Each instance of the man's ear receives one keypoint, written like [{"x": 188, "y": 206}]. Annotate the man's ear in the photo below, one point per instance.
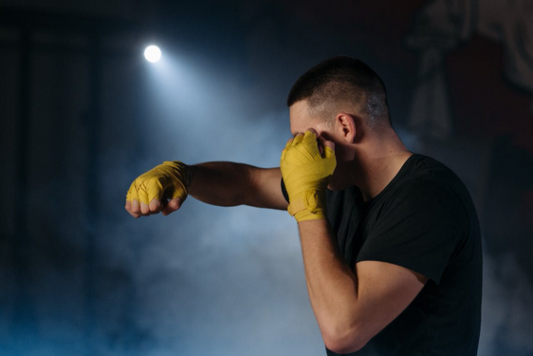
[{"x": 347, "y": 127}]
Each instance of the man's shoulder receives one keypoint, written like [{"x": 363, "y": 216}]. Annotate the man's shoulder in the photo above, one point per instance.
[
  {"x": 429, "y": 168},
  {"x": 430, "y": 182},
  {"x": 426, "y": 175}
]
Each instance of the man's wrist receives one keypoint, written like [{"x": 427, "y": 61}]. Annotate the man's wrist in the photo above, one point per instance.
[
  {"x": 308, "y": 205},
  {"x": 305, "y": 215},
  {"x": 313, "y": 222}
]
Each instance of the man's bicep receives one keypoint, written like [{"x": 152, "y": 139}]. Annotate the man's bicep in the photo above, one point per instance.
[
  {"x": 384, "y": 291},
  {"x": 267, "y": 191}
]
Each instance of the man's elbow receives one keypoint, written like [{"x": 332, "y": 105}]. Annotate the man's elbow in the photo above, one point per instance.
[{"x": 344, "y": 341}]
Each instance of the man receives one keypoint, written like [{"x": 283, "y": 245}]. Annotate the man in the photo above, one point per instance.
[{"x": 390, "y": 239}]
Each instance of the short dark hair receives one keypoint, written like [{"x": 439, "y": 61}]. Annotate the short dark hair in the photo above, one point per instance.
[{"x": 343, "y": 78}]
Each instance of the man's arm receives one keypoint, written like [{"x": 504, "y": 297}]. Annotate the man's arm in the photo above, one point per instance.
[
  {"x": 352, "y": 308},
  {"x": 231, "y": 184},
  {"x": 216, "y": 183}
]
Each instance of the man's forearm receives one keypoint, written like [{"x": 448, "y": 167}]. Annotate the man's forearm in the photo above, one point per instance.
[
  {"x": 221, "y": 183},
  {"x": 332, "y": 286}
]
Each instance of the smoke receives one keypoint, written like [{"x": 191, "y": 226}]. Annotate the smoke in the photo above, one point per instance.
[
  {"x": 205, "y": 280},
  {"x": 236, "y": 279}
]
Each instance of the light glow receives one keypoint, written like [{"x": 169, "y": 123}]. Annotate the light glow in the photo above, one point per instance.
[{"x": 152, "y": 54}]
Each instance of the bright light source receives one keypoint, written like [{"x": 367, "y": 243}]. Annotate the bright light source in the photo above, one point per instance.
[{"x": 152, "y": 54}]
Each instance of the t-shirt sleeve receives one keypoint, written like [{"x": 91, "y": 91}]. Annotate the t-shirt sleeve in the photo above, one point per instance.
[
  {"x": 284, "y": 191},
  {"x": 419, "y": 228}
]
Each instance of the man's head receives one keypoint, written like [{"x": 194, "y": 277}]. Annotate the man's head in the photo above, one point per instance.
[
  {"x": 344, "y": 101},
  {"x": 342, "y": 84}
]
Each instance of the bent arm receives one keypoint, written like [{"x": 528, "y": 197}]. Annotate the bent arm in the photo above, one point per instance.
[
  {"x": 231, "y": 184},
  {"x": 351, "y": 308}
]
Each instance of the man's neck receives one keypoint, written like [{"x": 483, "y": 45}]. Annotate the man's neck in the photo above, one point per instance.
[{"x": 377, "y": 165}]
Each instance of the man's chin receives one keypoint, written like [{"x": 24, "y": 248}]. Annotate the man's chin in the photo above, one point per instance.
[{"x": 334, "y": 187}]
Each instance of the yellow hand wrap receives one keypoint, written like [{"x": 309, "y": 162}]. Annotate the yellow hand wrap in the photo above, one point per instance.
[
  {"x": 306, "y": 174},
  {"x": 166, "y": 181}
]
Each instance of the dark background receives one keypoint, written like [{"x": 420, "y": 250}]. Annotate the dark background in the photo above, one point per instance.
[{"x": 83, "y": 114}]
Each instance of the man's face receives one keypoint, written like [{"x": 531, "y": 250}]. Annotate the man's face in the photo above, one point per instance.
[{"x": 301, "y": 121}]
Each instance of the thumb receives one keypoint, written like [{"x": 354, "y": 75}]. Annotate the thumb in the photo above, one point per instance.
[
  {"x": 329, "y": 144},
  {"x": 172, "y": 206}
]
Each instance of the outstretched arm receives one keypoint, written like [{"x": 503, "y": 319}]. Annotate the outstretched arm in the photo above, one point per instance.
[
  {"x": 231, "y": 184},
  {"x": 165, "y": 188}
]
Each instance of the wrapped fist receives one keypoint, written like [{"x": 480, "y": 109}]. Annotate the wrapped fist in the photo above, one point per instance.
[
  {"x": 306, "y": 173},
  {"x": 150, "y": 192}
]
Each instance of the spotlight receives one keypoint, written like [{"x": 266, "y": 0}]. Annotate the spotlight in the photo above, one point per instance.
[{"x": 152, "y": 54}]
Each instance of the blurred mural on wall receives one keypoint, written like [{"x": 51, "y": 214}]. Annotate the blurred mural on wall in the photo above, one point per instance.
[
  {"x": 442, "y": 27},
  {"x": 494, "y": 146},
  {"x": 83, "y": 114}
]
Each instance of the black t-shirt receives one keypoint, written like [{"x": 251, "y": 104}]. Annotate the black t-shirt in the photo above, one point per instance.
[{"x": 423, "y": 220}]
